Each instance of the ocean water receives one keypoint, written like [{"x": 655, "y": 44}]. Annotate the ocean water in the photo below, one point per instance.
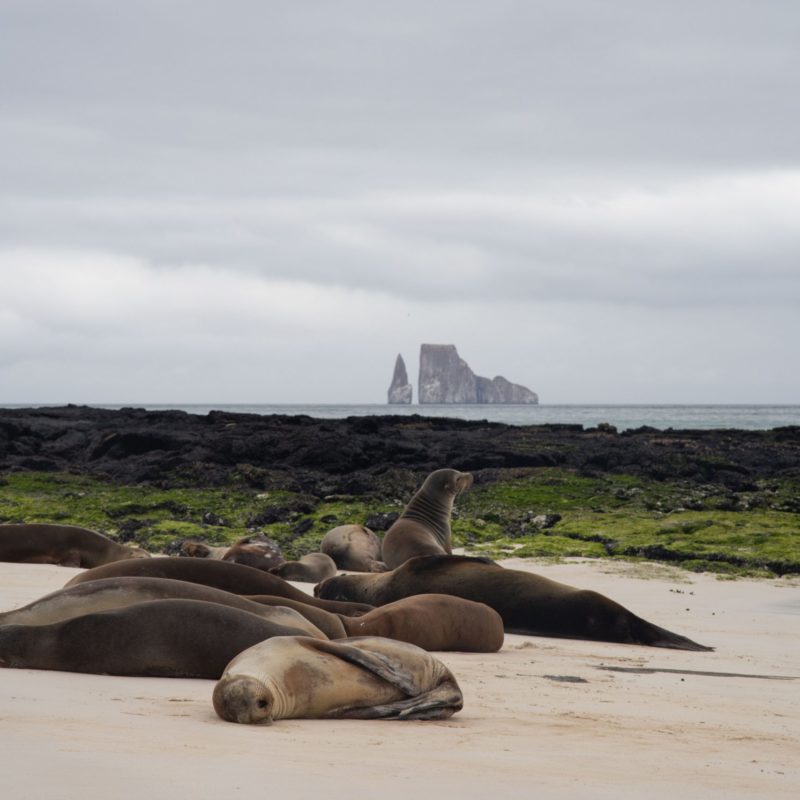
[{"x": 752, "y": 417}]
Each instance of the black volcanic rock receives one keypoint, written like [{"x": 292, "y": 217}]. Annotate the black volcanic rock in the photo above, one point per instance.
[
  {"x": 382, "y": 522},
  {"x": 444, "y": 377},
  {"x": 384, "y": 456}
]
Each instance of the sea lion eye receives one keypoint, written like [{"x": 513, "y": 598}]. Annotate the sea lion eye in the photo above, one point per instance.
[{"x": 262, "y": 703}]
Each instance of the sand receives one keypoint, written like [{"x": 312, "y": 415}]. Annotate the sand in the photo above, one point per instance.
[{"x": 542, "y": 718}]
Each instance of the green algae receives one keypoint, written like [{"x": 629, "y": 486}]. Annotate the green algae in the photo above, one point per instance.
[
  {"x": 694, "y": 526},
  {"x": 154, "y": 518}
]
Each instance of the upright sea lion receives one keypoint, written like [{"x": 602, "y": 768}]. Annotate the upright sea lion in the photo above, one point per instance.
[
  {"x": 110, "y": 593},
  {"x": 423, "y": 529},
  {"x": 219, "y": 574},
  {"x": 433, "y": 622},
  {"x": 361, "y": 678},
  {"x": 160, "y": 638},
  {"x": 354, "y": 547},
  {"x": 67, "y": 545},
  {"x": 311, "y": 568},
  {"x": 527, "y": 603}
]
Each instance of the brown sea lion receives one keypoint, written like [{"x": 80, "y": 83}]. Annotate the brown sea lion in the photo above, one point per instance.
[
  {"x": 160, "y": 638},
  {"x": 527, "y": 603},
  {"x": 430, "y": 621},
  {"x": 219, "y": 574},
  {"x": 433, "y": 622},
  {"x": 191, "y": 548},
  {"x": 330, "y": 624},
  {"x": 362, "y": 678},
  {"x": 311, "y": 568},
  {"x": 423, "y": 529},
  {"x": 354, "y": 547},
  {"x": 66, "y": 545},
  {"x": 256, "y": 550},
  {"x": 110, "y": 593}
]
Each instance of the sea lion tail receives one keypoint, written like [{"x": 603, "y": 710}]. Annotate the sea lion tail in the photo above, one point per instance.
[{"x": 646, "y": 633}]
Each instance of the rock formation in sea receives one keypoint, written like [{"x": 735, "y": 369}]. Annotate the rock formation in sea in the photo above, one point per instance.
[
  {"x": 444, "y": 377},
  {"x": 400, "y": 391}
]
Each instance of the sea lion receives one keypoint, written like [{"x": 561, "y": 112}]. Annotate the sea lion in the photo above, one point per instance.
[
  {"x": 256, "y": 551},
  {"x": 191, "y": 548},
  {"x": 527, "y": 603},
  {"x": 433, "y": 622},
  {"x": 219, "y": 574},
  {"x": 159, "y": 638},
  {"x": 66, "y": 545},
  {"x": 362, "y": 678},
  {"x": 353, "y": 547},
  {"x": 430, "y": 621},
  {"x": 110, "y": 593},
  {"x": 330, "y": 624},
  {"x": 311, "y": 568},
  {"x": 423, "y": 529}
]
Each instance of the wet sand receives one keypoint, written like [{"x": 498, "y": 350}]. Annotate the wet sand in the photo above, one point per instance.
[{"x": 542, "y": 718}]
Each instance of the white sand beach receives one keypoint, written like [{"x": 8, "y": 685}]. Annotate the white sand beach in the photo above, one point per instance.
[{"x": 542, "y": 718}]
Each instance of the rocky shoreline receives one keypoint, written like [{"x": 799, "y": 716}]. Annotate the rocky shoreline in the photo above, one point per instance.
[
  {"x": 727, "y": 500},
  {"x": 357, "y": 455}
]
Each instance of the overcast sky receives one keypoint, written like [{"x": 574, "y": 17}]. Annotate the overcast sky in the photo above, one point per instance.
[{"x": 262, "y": 201}]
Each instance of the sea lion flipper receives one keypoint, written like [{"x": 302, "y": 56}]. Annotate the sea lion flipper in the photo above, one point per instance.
[
  {"x": 649, "y": 634},
  {"x": 441, "y": 701},
  {"x": 389, "y": 669}
]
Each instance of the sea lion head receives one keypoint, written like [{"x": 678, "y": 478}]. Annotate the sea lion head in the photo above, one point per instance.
[
  {"x": 448, "y": 482},
  {"x": 137, "y": 552},
  {"x": 244, "y": 699},
  {"x": 340, "y": 587}
]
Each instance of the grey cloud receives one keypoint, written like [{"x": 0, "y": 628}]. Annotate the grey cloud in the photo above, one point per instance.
[
  {"x": 622, "y": 164},
  {"x": 589, "y": 80},
  {"x": 667, "y": 249}
]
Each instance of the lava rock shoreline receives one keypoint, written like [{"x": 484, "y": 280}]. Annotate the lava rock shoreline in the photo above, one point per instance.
[{"x": 381, "y": 455}]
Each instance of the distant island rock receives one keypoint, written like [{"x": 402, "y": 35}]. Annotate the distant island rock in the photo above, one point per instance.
[
  {"x": 444, "y": 377},
  {"x": 400, "y": 391}
]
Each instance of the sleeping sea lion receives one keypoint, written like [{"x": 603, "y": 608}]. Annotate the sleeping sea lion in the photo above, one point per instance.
[
  {"x": 191, "y": 548},
  {"x": 423, "y": 529},
  {"x": 66, "y": 545},
  {"x": 159, "y": 638},
  {"x": 430, "y": 621},
  {"x": 219, "y": 574},
  {"x": 527, "y": 603},
  {"x": 353, "y": 547},
  {"x": 361, "y": 678},
  {"x": 256, "y": 550},
  {"x": 330, "y": 624},
  {"x": 433, "y": 622},
  {"x": 311, "y": 568},
  {"x": 110, "y": 593}
]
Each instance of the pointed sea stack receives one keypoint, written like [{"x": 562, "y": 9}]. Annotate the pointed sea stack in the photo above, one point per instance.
[
  {"x": 400, "y": 391},
  {"x": 444, "y": 377}
]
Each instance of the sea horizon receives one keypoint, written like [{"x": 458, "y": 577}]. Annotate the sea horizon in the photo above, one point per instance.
[{"x": 623, "y": 416}]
